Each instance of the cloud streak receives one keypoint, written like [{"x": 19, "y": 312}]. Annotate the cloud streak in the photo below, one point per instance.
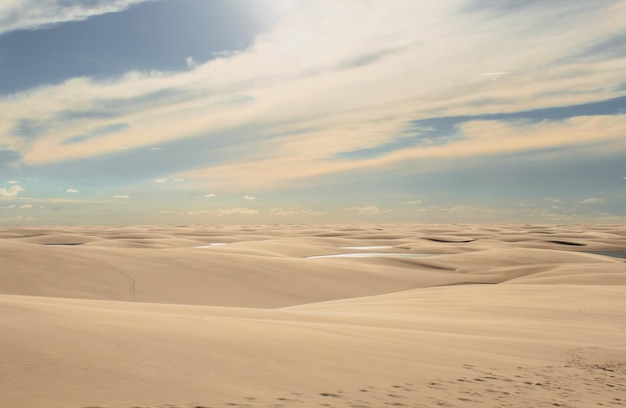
[
  {"x": 36, "y": 14},
  {"x": 319, "y": 91},
  {"x": 356, "y": 105}
]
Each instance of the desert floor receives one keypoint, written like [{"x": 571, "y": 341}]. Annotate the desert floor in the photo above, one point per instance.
[{"x": 160, "y": 316}]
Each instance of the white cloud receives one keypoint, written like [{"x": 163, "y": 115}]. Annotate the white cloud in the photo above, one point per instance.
[
  {"x": 13, "y": 182},
  {"x": 588, "y": 134},
  {"x": 17, "y": 218},
  {"x": 355, "y": 88},
  {"x": 552, "y": 200},
  {"x": 371, "y": 209},
  {"x": 12, "y": 191},
  {"x": 8, "y": 207},
  {"x": 191, "y": 63},
  {"x": 121, "y": 196},
  {"x": 295, "y": 210},
  {"x": 33, "y": 14},
  {"x": 210, "y": 195},
  {"x": 164, "y": 180},
  {"x": 53, "y": 200},
  {"x": 249, "y": 197},
  {"x": 71, "y": 190},
  {"x": 156, "y": 148},
  {"x": 225, "y": 212},
  {"x": 235, "y": 211},
  {"x": 26, "y": 206},
  {"x": 495, "y": 75},
  {"x": 593, "y": 200}
]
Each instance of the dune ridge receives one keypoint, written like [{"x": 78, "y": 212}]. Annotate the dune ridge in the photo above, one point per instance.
[{"x": 121, "y": 317}]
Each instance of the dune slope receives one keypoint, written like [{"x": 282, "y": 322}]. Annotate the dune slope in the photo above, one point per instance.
[{"x": 138, "y": 317}]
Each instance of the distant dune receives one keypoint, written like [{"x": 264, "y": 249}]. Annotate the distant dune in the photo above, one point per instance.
[{"x": 496, "y": 316}]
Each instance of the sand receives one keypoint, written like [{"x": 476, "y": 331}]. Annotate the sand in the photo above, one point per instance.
[{"x": 125, "y": 317}]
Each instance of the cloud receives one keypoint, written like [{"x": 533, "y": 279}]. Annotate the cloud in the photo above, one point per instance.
[
  {"x": 319, "y": 90},
  {"x": 71, "y": 190},
  {"x": 587, "y": 134},
  {"x": 371, "y": 209},
  {"x": 164, "y": 180},
  {"x": 191, "y": 63},
  {"x": 17, "y": 218},
  {"x": 552, "y": 200},
  {"x": 13, "y": 182},
  {"x": 295, "y": 210},
  {"x": 12, "y": 191},
  {"x": 489, "y": 215},
  {"x": 249, "y": 197},
  {"x": 9, "y": 207},
  {"x": 593, "y": 200},
  {"x": 53, "y": 200},
  {"x": 496, "y": 75},
  {"x": 414, "y": 202},
  {"x": 225, "y": 212},
  {"x": 121, "y": 196},
  {"x": 26, "y": 206},
  {"x": 234, "y": 211},
  {"x": 34, "y": 14},
  {"x": 210, "y": 195}
]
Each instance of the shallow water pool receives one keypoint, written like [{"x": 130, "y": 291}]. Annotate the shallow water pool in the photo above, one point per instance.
[
  {"x": 373, "y": 255},
  {"x": 614, "y": 254}
]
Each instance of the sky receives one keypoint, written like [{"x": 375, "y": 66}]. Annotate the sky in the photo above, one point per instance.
[{"x": 312, "y": 111}]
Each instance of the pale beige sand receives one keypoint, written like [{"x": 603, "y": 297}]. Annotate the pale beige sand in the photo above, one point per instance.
[{"x": 121, "y": 317}]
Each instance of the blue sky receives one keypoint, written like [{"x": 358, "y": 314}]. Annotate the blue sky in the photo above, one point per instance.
[{"x": 276, "y": 111}]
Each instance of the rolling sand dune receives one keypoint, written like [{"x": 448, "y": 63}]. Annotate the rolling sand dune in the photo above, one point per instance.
[{"x": 497, "y": 316}]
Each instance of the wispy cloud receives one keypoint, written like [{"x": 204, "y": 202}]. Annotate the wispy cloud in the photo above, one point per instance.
[
  {"x": 249, "y": 197},
  {"x": 294, "y": 211},
  {"x": 355, "y": 105},
  {"x": 593, "y": 200},
  {"x": 319, "y": 90},
  {"x": 26, "y": 206},
  {"x": 52, "y": 200},
  {"x": 71, "y": 190},
  {"x": 371, "y": 209},
  {"x": 34, "y": 14},
  {"x": 191, "y": 63},
  {"x": 164, "y": 180},
  {"x": 225, "y": 212},
  {"x": 591, "y": 134},
  {"x": 210, "y": 195},
  {"x": 12, "y": 191},
  {"x": 122, "y": 196},
  {"x": 17, "y": 218}
]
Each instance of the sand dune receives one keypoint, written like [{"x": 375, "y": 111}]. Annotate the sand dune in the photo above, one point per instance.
[{"x": 121, "y": 317}]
